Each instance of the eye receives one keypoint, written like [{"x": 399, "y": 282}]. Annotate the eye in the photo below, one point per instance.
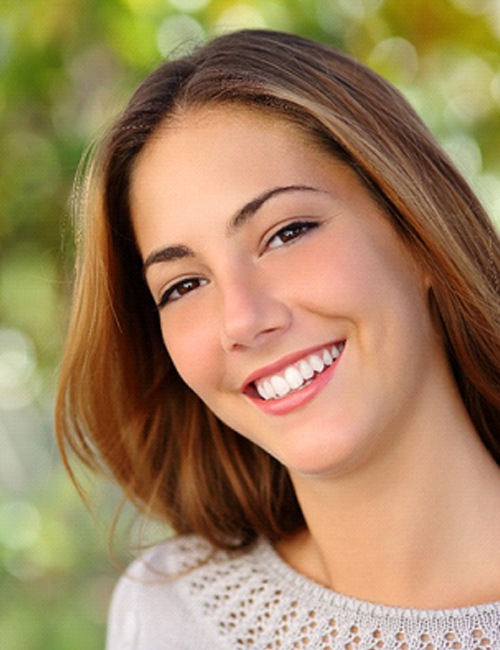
[
  {"x": 290, "y": 232},
  {"x": 180, "y": 289}
]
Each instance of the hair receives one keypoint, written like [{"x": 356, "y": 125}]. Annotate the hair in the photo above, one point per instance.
[{"x": 121, "y": 406}]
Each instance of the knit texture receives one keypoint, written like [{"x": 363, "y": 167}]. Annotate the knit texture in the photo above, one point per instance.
[{"x": 184, "y": 595}]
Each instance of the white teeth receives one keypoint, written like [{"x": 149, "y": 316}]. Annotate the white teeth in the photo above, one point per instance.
[
  {"x": 295, "y": 376},
  {"x": 262, "y": 391},
  {"x": 280, "y": 386},
  {"x": 269, "y": 389},
  {"x": 316, "y": 363},
  {"x": 337, "y": 349},
  {"x": 266, "y": 390},
  {"x": 305, "y": 370}
]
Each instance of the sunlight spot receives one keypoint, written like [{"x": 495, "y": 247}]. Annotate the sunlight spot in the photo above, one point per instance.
[
  {"x": 189, "y": 5},
  {"x": 488, "y": 189},
  {"x": 465, "y": 153},
  {"x": 495, "y": 88},
  {"x": 179, "y": 34},
  {"x": 18, "y": 385},
  {"x": 146, "y": 6},
  {"x": 19, "y": 524},
  {"x": 396, "y": 58},
  {"x": 468, "y": 87},
  {"x": 474, "y": 7},
  {"x": 360, "y": 8},
  {"x": 240, "y": 16}
]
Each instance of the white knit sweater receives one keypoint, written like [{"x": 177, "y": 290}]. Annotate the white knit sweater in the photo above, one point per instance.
[{"x": 173, "y": 598}]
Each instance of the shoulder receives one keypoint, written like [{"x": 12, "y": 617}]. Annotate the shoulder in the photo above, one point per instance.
[
  {"x": 171, "y": 559},
  {"x": 150, "y": 607},
  {"x": 160, "y": 600}
]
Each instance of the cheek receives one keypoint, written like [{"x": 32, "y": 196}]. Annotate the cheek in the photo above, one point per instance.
[
  {"x": 334, "y": 277},
  {"x": 368, "y": 280},
  {"x": 190, "y": 343}
]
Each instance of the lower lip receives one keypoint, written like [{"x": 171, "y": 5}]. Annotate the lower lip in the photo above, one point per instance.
[{"x": 297, "y": 398}]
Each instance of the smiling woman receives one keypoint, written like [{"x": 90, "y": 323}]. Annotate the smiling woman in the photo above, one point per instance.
[{"x": 294, "y": 359}]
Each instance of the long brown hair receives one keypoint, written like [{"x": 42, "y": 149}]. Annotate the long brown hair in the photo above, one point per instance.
[{"x": 121, "y": 404}]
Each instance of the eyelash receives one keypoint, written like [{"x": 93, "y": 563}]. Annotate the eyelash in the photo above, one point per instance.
[
  {"x": 287, "y": 235},
  {"x": 290, "y": 232},
  {"x": 178, "y": 287}
]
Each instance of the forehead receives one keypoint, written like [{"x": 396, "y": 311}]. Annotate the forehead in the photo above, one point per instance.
[
  {"x": 221, "y": 126},
  {"x": 202, "y": 168},
  {"x": 207, "y": 166},
  {"x": 230, "y": 150}
]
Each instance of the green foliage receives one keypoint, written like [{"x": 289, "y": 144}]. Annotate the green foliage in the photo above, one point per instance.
[{"x": 66, "y": 67}]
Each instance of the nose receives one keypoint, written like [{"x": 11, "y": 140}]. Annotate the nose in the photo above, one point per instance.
[{"x": 252, "y": 313}]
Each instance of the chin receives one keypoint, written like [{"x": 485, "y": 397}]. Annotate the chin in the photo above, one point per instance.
[{"x": 326, "y": 458}]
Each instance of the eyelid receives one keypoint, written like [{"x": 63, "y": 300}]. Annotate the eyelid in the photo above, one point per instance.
[
  {"x": 168, "y": 288},
  {"x": 306, "y": 222}
]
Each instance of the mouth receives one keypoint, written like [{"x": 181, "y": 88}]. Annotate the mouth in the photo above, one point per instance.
[{"x": 295, "y": 376}]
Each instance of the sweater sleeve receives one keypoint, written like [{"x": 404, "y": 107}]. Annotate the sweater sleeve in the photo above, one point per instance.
[{"x": 123, "y": 617}]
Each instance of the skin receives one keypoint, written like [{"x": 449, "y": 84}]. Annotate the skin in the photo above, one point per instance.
[{"x": 260, "y": 248}]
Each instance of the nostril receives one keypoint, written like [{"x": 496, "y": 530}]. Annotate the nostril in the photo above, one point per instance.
[{"x": 248, "y": 326}]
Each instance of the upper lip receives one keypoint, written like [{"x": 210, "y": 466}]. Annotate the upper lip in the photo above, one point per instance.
[{"x": 288, "y": 360}]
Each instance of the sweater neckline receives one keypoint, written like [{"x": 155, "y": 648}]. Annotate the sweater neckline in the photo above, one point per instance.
[{"x": 272, "y": 564}]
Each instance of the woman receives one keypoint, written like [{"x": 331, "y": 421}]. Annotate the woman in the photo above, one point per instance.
[{"x": 285, "y": 345}]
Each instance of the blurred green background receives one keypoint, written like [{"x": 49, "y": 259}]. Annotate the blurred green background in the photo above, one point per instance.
[{"x": 66, "y": 67}]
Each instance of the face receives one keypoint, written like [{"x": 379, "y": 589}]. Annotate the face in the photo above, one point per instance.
[{"x": 287, "y": 302}]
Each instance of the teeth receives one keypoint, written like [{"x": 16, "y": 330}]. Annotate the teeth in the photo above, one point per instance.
[
  {"x": 327, "y": 358},
  {"x": 337, "y": 349},
  {"x": 261, "y": 389},
  {"x": 266, "y": 390},
  {"x": 280, "y": 385},
  {"x": 305, "y": 370},
  {"x": 316, "y": 363},
  {"x": 295, "y": 376},
  {"x": 269, "y": 388}
]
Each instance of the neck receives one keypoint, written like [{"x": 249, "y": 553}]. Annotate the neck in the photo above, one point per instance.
[{"x": 419, "y": 527}]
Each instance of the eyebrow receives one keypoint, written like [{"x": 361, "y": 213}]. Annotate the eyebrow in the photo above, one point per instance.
[
  {"x": 250, "y": 209},
  {"x": 167, "y": 254},
  {"x": 242, "y": 216}
]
